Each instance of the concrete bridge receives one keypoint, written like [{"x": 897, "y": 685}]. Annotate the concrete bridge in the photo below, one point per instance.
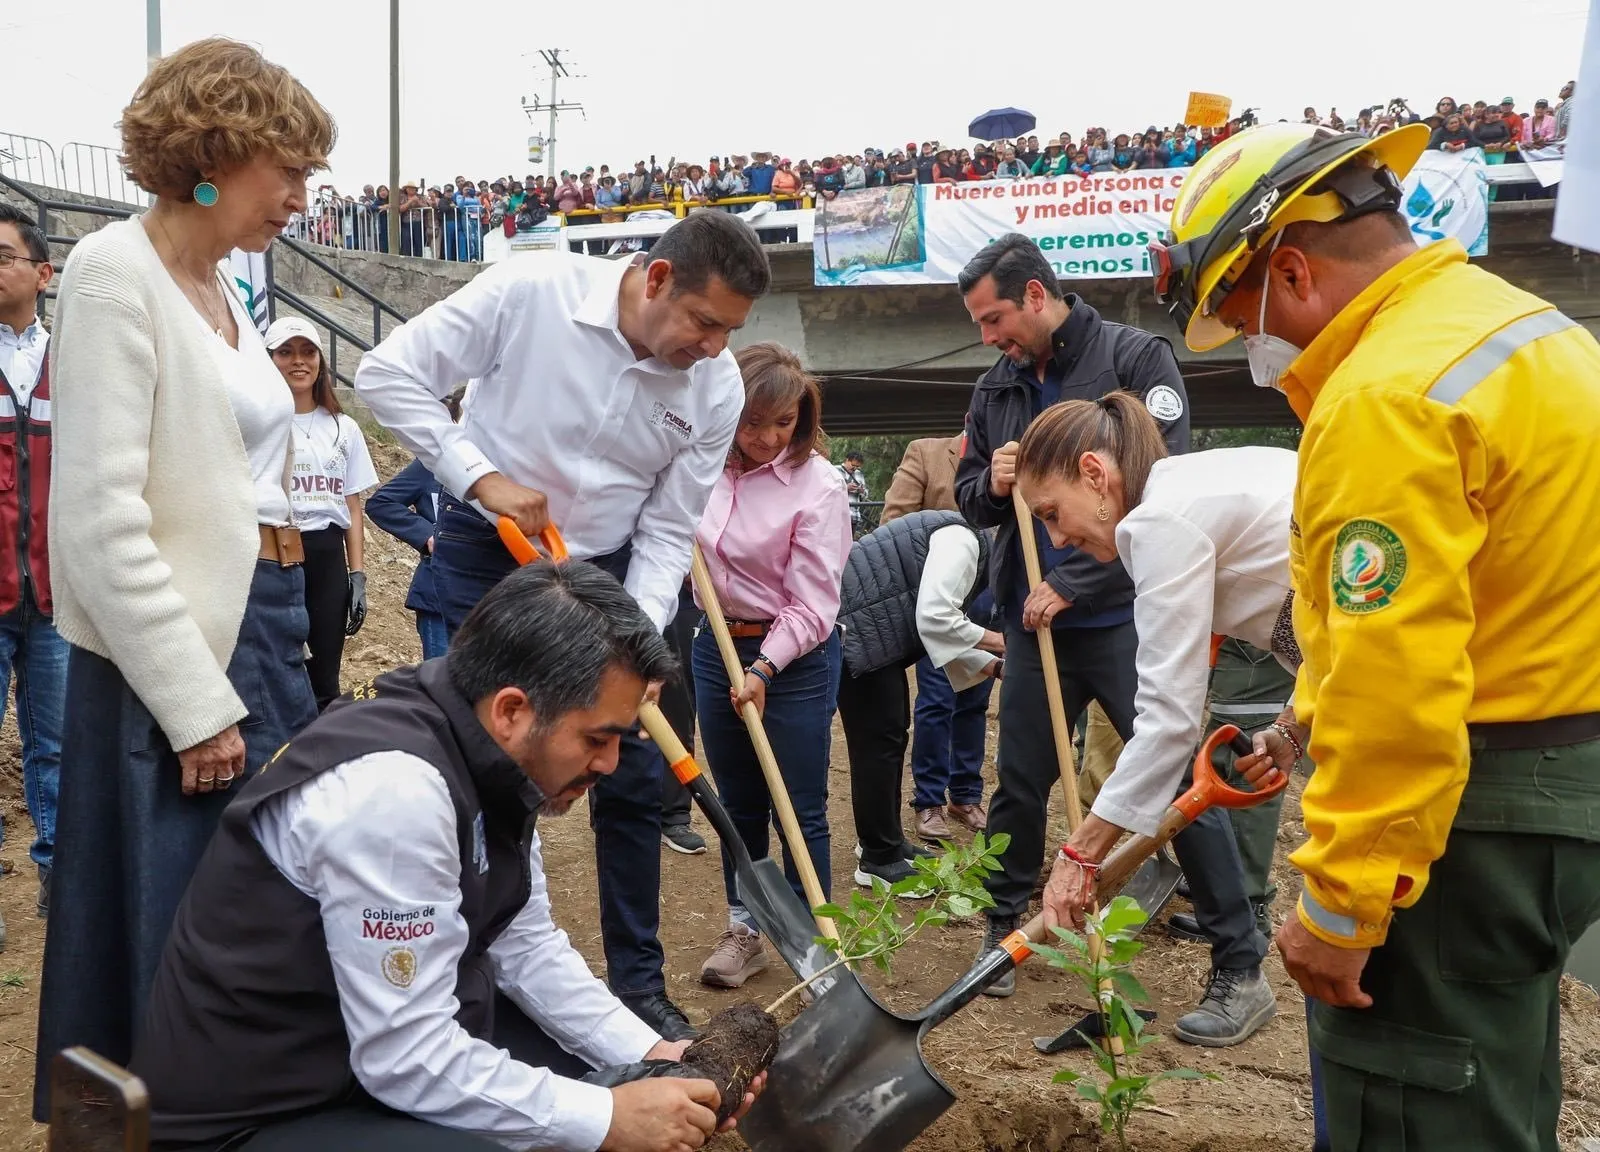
[{"x": 902, "y": 360}]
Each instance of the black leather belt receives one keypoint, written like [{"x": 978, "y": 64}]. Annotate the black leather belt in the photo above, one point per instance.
[{"x": 1521, "y": 735}]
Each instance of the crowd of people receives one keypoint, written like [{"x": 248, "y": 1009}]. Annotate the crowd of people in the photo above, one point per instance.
[
  {"x": 448, "y": 221},
  {"x": 320, "y": 922}
]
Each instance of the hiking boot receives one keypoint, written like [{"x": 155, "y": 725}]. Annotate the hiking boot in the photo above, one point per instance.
[
  {"x": 931, "y": 824},
  {"x": 661, "y": 1014},
  {"x": 972, "y": 815},
  {"x": 1238, "y": 1002},
  {"x": 996, "y": 929},
  {"x": 738, "y": 955},
  {"x": 682, "y": 838},
  {"x": 891, "y": 873}
]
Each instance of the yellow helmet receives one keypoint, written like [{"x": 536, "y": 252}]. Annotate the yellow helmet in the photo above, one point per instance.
[{"x": 1252, "y": 186}]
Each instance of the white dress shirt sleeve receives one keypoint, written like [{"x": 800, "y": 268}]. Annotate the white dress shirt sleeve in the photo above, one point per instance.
[
  {"x": 949, "y": 636},
  {"x": 665, "y": 532},
  {"x": 1174, "y": 570},
  {"x": 543, "y": 974},
  {"x": 373, "y": 841},
  {"x": 460, "y": 338}
]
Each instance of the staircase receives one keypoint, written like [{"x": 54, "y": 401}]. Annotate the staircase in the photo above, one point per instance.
[{"x": 302, "y": 279}]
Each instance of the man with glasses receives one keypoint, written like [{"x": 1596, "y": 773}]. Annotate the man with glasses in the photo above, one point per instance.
[{"x": 30, "y": 647}]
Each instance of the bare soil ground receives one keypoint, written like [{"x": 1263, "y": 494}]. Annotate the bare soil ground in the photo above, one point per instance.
[{"x": 1007, "y": 1102}]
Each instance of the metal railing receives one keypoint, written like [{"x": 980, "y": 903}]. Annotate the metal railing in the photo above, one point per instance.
[
  {"x": 94, "y": 170},
  {"x": 46, "y": 207},
  {"x": 27, "y": 158},
  {"x": 337, "y": 331}
]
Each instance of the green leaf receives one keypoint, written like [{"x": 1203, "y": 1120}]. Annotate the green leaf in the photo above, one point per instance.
[
  {"x": 1128, "y": 984},
  {"x": 1184, "y": 1074},
  {"x": 1089, "y": 1090},
  {"x": 1066, "y": 1076},
  {"x": 962, "y": 906},
  {"x": 997, "y": 844},
  {"x": 1121, "y": 915}
]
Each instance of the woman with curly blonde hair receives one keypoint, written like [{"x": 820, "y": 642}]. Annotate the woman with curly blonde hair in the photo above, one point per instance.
[{"x": 176, "y": 561}]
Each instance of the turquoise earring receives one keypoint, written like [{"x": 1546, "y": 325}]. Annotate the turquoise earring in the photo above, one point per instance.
[{"x": 206, "y": 194}]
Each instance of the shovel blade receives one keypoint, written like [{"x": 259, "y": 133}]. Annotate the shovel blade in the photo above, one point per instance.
[
  {"x": 1153, "y": 884},
  {"x": 849, "y": 1077},
  {"x": 780, "y": 914}
]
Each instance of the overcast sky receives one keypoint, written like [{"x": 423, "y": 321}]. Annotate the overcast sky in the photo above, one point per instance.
[{"x": 802, "y": 79}]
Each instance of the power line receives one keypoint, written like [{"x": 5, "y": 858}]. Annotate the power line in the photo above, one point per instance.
[{"x": 558, "y": 72}]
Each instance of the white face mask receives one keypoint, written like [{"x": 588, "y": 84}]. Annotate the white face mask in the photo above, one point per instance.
[{"x": 1269, "y": 356}]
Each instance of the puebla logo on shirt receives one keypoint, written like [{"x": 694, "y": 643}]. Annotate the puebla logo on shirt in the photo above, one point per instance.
[
  {"x": 663, "y": 417},
  {"x": 1369, "y": 564}
]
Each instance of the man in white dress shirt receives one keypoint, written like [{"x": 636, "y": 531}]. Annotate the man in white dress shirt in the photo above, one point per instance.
[
  {"x": 366, "y": 958},
  {"x": 604, "y": 401}
]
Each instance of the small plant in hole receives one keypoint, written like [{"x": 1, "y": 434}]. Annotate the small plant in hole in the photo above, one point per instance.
[
  {"x": 738, "y": 1043},
  {"x": 872, "y": 929},
  {"x": 1107, "y": 974}
]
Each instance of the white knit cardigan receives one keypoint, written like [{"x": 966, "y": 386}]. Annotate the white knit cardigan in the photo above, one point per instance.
[{"x": 153, "y": 537}]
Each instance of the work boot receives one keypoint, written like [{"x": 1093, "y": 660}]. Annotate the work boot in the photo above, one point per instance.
[
  {"x": 1238, "y": 1002},
  {"x": 662, "y": 1015},
  {"x": 891, "y": 873},
  {"x": 931, "y": 824},
  {"x": 996, "y": 929},
  {"x": 682, "y": 838},
  {"x": 738, "y": 955},
  {"x": 1184, "y": 926},
  {"x": 972, "y": 815}
]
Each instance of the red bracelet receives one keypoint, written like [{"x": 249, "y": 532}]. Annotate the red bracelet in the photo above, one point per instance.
[{"x": 1079, "y": 858}]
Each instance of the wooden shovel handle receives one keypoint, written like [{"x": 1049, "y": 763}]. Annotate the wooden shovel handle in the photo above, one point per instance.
[{"x": 776, "y": 788}]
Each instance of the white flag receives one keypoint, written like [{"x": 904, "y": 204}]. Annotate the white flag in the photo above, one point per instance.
[{"x": 249, "y": 271}]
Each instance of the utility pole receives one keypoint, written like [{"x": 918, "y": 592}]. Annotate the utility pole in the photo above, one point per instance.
[
  {"x": 394, "y": 127},
  {"x": 558, "y": 69},
  {"x": 152, "y": 33}
]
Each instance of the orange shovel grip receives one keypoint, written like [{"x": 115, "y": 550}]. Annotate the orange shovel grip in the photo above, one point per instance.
[
  {"x": 683, "y": 765},
  {"x": 522, "y": 549},
  {"x": 1208, "y": 789}
]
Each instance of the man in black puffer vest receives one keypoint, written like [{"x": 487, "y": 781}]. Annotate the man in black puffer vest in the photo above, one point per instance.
[
  {"x": 366, "y": 958},
  {"x": 906, "y": 589}
]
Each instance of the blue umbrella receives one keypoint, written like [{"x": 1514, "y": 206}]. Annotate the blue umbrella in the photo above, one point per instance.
[{"x": 998, "y": 123}]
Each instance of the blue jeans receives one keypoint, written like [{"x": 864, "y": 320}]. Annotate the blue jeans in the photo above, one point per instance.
[
  {"x": 130, "y": 840},
  {"x": 31, "y": 648},
  {"x": 799, "y": 723},
  {"x": 434, "y": 635},
  {"x": 947, "y": 739},
  {"x": 624, "y": 807}
]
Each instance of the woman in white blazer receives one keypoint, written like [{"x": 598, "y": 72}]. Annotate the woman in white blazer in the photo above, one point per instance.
[
  {"x": 1205, "y": 537},
  {"x": 177, "y": 566}
]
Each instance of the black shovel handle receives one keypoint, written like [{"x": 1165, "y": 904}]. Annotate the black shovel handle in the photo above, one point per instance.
[{"x": 689, "y": 775}]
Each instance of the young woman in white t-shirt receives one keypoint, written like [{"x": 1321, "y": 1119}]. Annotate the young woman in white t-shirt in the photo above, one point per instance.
[{"x": 331, "y": 469}]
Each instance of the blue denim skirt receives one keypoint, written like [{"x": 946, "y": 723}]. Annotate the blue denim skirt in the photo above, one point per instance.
[{"x": 128, "y": 840}]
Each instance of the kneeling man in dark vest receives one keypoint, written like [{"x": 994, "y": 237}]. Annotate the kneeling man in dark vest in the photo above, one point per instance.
[{"x": 366, "y": 957}]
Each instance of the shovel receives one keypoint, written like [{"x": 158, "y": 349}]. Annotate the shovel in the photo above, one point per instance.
[
  {"x": 1206, "y": 791},
  {"x": 850, "y": 1075},
  {"x": 1153, "y": 885},
  {"x": 793, "y": 838},
  {"x": 761, "y": 884}
]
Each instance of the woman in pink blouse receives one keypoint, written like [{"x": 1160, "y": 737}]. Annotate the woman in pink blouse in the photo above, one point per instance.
[{"x": 775, "y": 536}]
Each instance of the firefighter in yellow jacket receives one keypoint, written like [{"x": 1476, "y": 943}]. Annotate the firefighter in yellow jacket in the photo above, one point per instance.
[{"x": 1445, "y": 550}]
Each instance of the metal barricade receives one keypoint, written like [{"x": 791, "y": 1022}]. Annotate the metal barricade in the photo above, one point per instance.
[
  {"x": 94, "y": 170},
  {"x": 28, "y": 159}
]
